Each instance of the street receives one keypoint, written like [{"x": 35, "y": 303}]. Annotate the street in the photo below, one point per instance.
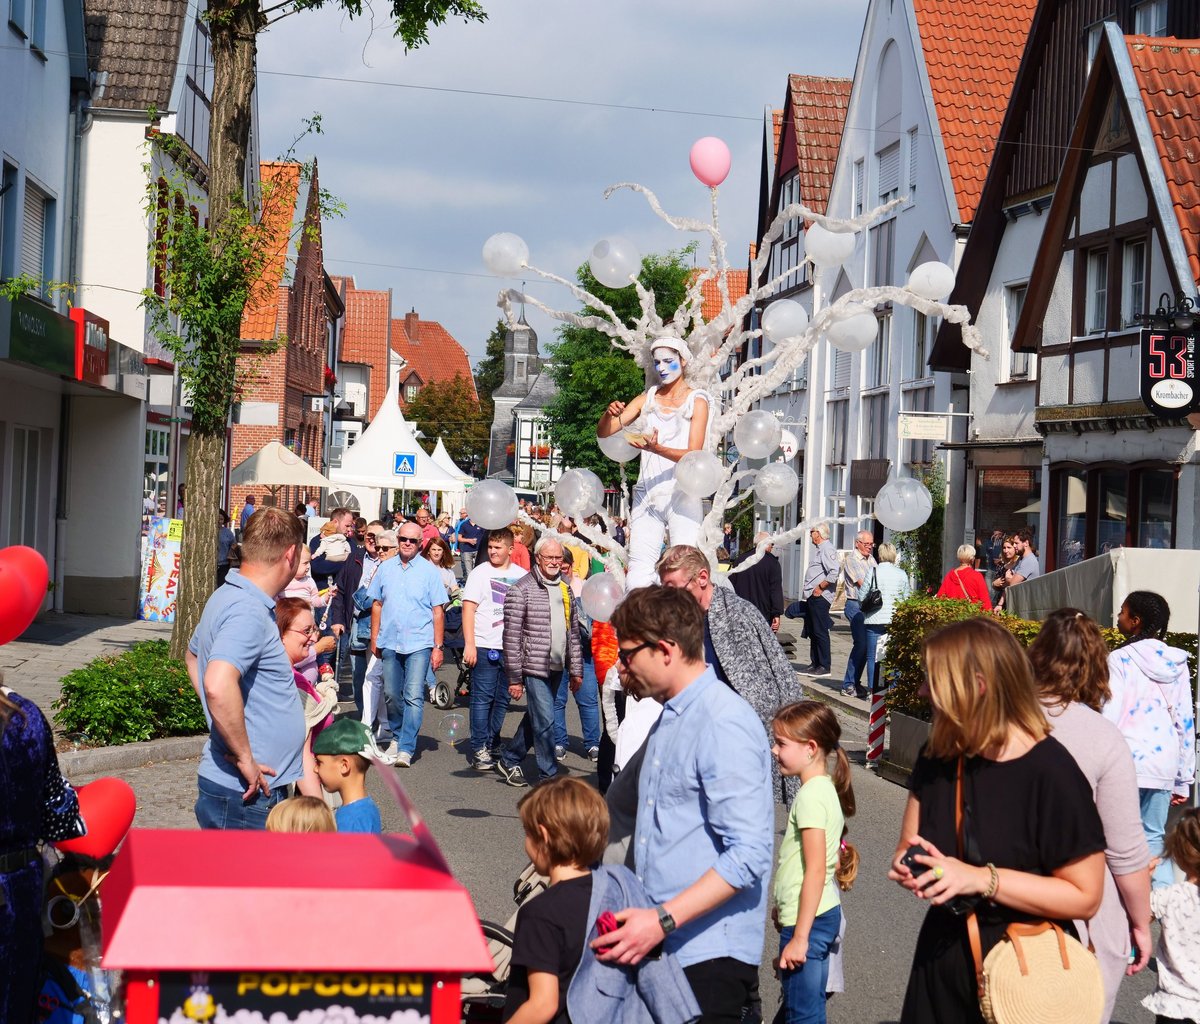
[{"x": 473, "y": 817}]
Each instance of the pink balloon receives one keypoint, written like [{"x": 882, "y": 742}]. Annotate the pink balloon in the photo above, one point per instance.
[{"x": 710, "y": 160}]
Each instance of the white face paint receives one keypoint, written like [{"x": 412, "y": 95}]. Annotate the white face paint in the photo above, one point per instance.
[{"x": 667, "y": 364}]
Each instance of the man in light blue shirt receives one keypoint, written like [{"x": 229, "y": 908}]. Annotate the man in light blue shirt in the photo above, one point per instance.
[
  {"x": 243, "y": 676},
  {"x": 407, "y": 596},
  {"x": 704, "y": 836}
]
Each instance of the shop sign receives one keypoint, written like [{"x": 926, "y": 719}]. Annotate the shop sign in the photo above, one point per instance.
[
  {"x": 38, "y": 336},
  {"x": 924, "y": 427},
  {"x": 789, "y": 445},
  {"x": 1169, "y": 388},
  {"x": 91, "y": 347},
  {"x": 131, "y": 371}
]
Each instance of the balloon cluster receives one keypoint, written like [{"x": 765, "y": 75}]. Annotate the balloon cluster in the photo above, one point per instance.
[{"x": 23, "y": 579}]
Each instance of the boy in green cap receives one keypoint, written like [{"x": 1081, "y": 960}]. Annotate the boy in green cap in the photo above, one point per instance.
[{"x": 342, "y": 751}]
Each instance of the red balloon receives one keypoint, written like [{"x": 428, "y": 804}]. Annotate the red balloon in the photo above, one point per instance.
[
  {"x": 107, "y": 807},
  {"x": 23, "y": 578}
]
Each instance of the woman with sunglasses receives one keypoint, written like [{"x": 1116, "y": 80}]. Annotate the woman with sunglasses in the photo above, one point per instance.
[{"x": 298, "y": 631}]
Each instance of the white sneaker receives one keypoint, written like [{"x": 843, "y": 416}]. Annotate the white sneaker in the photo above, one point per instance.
[{"x": 404, "y": 759}]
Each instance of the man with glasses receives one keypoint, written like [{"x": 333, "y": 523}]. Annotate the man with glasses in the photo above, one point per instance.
[
  {"x": 428, "y": 527},
  {"x": 859, "y": 570},
  {"x": 704, "y": 832},
  {"x": 541, "y": 641},
  {"x": 407, "y": 595}
]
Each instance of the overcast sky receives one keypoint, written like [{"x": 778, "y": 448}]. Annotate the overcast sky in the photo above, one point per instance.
[{"x": 428, "y": 174}]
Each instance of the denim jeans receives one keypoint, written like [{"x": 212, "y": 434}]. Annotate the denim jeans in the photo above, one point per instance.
[
  {"x": 819, "y": 621},
  {"x": 803, "y": 988},
  {"x": 404, "y": 692},
  {"x": 1155, "y": 804},
  {"x": 858, "y": 653},
  {"x": 220, "y": 807},
  {"x": 873, "y": 635},
  {"x": 587, "y": 699},
  {"x": 489, "y": 700},
  {"x": 536, "y": 729}
]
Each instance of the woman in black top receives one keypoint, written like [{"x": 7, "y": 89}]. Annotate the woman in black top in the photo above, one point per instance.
[{"x": 1034, "y": 845}]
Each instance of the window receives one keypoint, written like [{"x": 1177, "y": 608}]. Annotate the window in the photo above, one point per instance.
[
  {"x": 1150, "y": 18},
  {"x": 860, "y": 186},
  {"x": 835, "y": 504},
  {"x": 875, "y": 426},
  {"x": 786, "y": 258},
  {"x": 889, "y": 172},
  {"x": 1155, "y": 508},
  {"x": 883, "y": 253},
  {"x": 925, "y": 329},
  {"x": 838, "y": 423},
  {"x": 157, "y": 478},
  {"x": 1112, "y": 510},
  {"x": 1096, "y": 296},
  {"x": 1014, "y": 302},
  {"x": 1091, "y": 40},
  {"x": 879, "y": 356},
  {"x": 920, "y": 453},
  {"x": 1133, "y": 276},
  {"x": 17, "y": 11},
  {"x": 1071, "y": 494},
  {"x": 912, "y": 160},
  {"x": 23, "y": 487},
  {"x": 8, "y": 221},
  {"x": 842, "y": 364},
  {"x": 410, "y": 392},
  {"x": 1104, "y": 508},
  {"x": 37, "y": 27},
  {"x": 195, "y": 108},
  {"x": 37, "y": 230}
]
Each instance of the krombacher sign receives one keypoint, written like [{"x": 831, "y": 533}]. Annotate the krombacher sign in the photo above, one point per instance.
[{"x": 38, "y": 336}]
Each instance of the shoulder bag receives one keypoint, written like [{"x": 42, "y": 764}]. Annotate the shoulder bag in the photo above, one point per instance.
[
  {"x": 1037, "y": 973},
  {"x": 871, "y": 599}
]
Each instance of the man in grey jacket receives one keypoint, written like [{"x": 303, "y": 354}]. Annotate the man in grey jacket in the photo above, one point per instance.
[
  {"x": 820, "y": 584},
  {"x": 541, "y": 641}
]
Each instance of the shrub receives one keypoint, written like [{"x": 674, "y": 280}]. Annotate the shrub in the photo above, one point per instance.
[
  {"x": 142, "y": 694},
  {"x": 918, "y": 616}
]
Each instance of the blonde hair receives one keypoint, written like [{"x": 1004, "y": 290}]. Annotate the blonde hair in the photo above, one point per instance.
[
  {"x": 886, "y": 553},
  {"x": 575, "y": 818},
  {"x": 683, "y": 556},
  {"x": 301, "y": 814},
  {"x": 981, "y": 687},
  {"x": 966, "y": 552}
]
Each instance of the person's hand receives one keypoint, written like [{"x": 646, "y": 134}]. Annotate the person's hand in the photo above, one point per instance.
[
  {"x": 436, "y": 658},
  {"x": 375, "y": 649},
  {"x": 648, "y": 443},
  {"x": 575, "y": 683},
  {"x": 639, "y": 933},
  {"x": 947, "y": 877},
  {"x": 794, "y": 954},
  {"x": 775, "y": 918},
  {"x": 516, "y": 691},
  {"x": 899, "y": 872},
  {"x": 1139, "y": 938},
  {"x": 253, "y": 773},
  {"x": 775, "y": 624},
  {"x": 1176, "y": 800},
  {"x": 616, "y": 408},
  {"x": 337, "y": 629},
  {"x": 470, "y": 655}
]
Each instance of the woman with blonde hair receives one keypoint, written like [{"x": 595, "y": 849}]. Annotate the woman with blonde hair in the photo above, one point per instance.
[
  {"x": 894, "y": 586},
  {"x": 966, "y": 583},
  {"x": 1031, "y": 840}
]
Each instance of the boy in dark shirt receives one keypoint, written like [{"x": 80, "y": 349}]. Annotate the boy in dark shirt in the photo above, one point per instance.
[{"x": 566, "y": 830}]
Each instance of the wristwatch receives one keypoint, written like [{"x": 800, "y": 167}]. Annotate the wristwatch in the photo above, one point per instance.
[
  {"x": 439, "y": 647},
  {"x": 665, "y": 920}
]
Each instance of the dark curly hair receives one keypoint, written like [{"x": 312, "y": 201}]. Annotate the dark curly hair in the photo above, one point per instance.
[{"x": 1152, "y": 611}]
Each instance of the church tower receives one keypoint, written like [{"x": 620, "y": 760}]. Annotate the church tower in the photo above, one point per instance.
[{"x": 522, "y": 364}]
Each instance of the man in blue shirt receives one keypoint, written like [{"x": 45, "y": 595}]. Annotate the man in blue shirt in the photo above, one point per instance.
[
  {"x": 247, "y": 511},
  {"x": 468, "y": 537},
  {"x": 407, "y": 595},
  {"x": 242, "y": 674},
  {"x": 704, "y": 836}
]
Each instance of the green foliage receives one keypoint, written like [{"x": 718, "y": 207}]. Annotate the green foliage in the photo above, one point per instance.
[
  {"x": 12, "y": 288},
  {"x": 489, "y": 371},
  {"x": 449, "y": 409},
  {"x": 590, "y": 373},
  {"x": 921, "y": 549},
  {"x": 142, "y": 694},
  {"x": 411, "y": 18},
  {"x": 918, "y": 616}
]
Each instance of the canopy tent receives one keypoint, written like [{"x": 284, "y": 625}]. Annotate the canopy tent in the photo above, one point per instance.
[
  {"x": 442, "y": 459},
  {"x": 387, "y": 457},
  {"x": 273, "y": 466}
]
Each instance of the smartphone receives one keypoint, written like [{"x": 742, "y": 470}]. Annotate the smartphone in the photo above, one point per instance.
[{"x": 909, "y": 860}]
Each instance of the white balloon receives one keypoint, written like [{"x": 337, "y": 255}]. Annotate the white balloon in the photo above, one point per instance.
[
  {"x": 601, "y": 595},
  {"x": 698, "y": 474},
  {"x": 903, "y": 504},
  {"x": 492, "y": 504},
  {"x": 593, "y": 490},
  {"x": 784, "y": 319},
  {"x": 828, "y": 248},
  {"x": 931, "y": 281},
  {"x": 855, "y": 333},
  {"x": 505, "y": 254},
  {"x": 617, "y": 448},
  {"x": 757, "y": 434},
  {"x": 571, "y": 493},
  {"x": 615, "y": 262},
  {"x": 776, "y": 484}
]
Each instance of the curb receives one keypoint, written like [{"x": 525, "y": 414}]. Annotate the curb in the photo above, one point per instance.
[
  {"x": 813, "y": 690},
  {"x": 130, "y": 755}
]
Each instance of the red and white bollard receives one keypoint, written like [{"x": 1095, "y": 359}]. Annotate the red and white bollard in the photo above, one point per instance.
[{"x": 878, "y": 719}]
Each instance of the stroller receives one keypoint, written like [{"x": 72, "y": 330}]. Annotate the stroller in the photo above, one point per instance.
[
  {"x": 445, "y": 693},
  {"x": 483, "y": 994}
]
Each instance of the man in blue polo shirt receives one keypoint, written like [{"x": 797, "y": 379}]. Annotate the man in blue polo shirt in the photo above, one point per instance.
[
  {"x": 407, "y": 595},
  {"x": 243, "y": 676},
  {"x": 470, "y": 540}
]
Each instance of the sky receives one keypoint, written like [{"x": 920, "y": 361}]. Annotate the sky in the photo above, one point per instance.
[{"x": 430, "y": 159}]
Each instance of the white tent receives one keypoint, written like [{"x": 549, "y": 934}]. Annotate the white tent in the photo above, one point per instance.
[
  {"x": 387, "y": 457},
  {"x": 441, "y": 458}
]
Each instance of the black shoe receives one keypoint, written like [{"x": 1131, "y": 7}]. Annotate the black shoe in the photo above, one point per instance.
[
  {"x": 513, "y": 776},
  {"x": 861, "y": 693}
]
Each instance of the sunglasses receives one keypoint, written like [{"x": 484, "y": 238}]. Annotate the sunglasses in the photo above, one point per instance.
[
  {"x": 410, "y": 540},
  {"x": 385, "y": 547},
  {"x": 626, "y": 655}
]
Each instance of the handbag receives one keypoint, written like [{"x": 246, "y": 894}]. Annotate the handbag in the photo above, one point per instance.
[
  {"x": 872, "y": 600},
  {"x": 360, "y": 628},
  {"x": 1037, "y": 973}
]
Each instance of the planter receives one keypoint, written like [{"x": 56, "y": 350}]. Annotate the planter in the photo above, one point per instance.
[{"x": 906, "y": 736}]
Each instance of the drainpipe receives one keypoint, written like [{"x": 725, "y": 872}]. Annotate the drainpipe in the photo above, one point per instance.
[{"x": 61, "y": 502}]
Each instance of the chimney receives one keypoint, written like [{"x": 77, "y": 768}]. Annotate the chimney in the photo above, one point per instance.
[{"x": 410, "y": 326}]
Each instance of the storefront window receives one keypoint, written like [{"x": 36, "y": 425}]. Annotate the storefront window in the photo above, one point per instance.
[
  {"x": 1155, "y": 502},
  {"x": 1072, "y": 517},
  {"x": 1008, "y": 498},
  {"x": 1112, "y": 511},
  {"x": 1128, "y": 506},
  {"x": 154, "y": 488}
]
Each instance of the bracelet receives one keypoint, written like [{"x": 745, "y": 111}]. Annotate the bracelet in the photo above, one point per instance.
[{"x": 994, "y": 885}]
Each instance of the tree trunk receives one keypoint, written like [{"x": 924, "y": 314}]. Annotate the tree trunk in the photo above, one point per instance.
[{"x": 233, "y": 28}]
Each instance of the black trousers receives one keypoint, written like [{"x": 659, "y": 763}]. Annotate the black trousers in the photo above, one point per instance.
[
  {"x": 725, "y": 988},
  {"x": 608, "y": 749},
  {"x": 819, "y": 623}
]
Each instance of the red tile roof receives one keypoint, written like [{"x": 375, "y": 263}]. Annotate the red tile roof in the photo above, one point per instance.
[
  {"x": 431, "y": 350},
  {"x": 736, "y": 282},
  {"x": 818, "y": 107},
  {"x": 972, "y": 51},
  {"x": 365, "y": 338},
  {"x": 1168, "y": 77},
  {"x": 281, "y": 188},
  {"x": 777, "y": 130}
]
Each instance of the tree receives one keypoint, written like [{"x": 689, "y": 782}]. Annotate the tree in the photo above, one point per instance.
[
  {"x": 489, "y": 371},
  {"x": 590, "y": 373},
  {"x": 212, "y": 320},
  {"x": 448, "y": 409}
]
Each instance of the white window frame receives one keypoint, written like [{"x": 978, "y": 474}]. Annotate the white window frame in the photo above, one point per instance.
[
  {"x": 1095, "y": 317},
  {"x": 887, "y": 168},
  {"x": 36, "y": 248},
  {"x": 913, "y": 152},
  {"x": 860, "y": 185},
  {"x": 1150, "y": 18},
  {"x": 879, "y": 356},
  {"x": 24, "y": 486},
  {"x": 1133, "y": 279},
  {"x": 1020, "y": 364},
  {"x": 1091, "y": 41},
  {"x": 924, "y": 334}
]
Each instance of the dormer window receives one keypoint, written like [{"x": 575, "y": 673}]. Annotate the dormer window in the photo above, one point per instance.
[{"x": 1150, "y": 18}]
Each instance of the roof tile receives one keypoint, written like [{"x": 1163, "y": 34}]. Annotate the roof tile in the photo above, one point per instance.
[
  {"x": 281, "y": 188},
  {"x": 137, "y": 42},
  {"x": 430, "y": 349},
  {"x": 818, "y": 108},
  {"x": 735, "y": 281}
]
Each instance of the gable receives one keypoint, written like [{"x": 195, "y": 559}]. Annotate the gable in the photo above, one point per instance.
[
  {"x": 137, "y": 44},
  {"x": 810, "y": 134}
]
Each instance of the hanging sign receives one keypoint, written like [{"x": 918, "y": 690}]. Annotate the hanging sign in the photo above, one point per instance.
[
  {"x": 1169, "y": 388},
  {"x": 404, "y": 464},
  {"x": 922, "y": 428},
  {"x": 789, "y": 445}
]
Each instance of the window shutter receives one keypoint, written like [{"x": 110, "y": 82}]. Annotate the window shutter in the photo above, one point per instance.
[
  {"x": 860, "y": 185},
  {"x": 889, "y": 169},
  {"x": 912, "y": 159},
  {"x": 841, "y": 369},
  {"x": 33, "y": 235}
]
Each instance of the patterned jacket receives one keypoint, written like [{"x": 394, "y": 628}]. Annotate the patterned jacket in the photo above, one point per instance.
[{"x": 527, "y": 631}]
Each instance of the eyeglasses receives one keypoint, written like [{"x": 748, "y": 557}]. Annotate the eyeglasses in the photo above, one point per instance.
[
  {"x": 385, "y": 547},
  {"x": 626, "y": 655},
  {"x": 410, "y": 540},
  {"x": 310, "y": 632},
  {"x": 549, "y": 559}
]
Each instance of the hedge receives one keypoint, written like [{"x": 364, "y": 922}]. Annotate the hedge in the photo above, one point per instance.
[
  {"x": 918, "y": 616},
  {"x": 142, "y": 694}
]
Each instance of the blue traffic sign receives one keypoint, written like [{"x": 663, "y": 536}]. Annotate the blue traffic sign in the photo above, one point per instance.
[{"x": 404, "y": 463}]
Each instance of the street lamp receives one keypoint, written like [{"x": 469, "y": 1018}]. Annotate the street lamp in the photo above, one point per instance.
[{"x": 1181, "y": 316}]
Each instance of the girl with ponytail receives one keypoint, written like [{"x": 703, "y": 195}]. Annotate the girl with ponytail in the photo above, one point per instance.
[{"x": 814, "y": 859}]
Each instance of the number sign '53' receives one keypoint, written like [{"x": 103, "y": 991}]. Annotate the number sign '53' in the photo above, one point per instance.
[{"x": 1170, "y": 389}]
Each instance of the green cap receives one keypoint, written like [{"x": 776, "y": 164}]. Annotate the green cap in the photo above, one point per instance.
[{"x": 346, "y": 736}]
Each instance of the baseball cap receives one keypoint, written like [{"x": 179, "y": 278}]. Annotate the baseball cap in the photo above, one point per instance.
[{"x": 346, "y": 736}]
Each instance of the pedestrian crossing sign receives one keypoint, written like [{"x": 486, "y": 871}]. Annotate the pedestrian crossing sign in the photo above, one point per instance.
[{"x": 404, "y": 463}]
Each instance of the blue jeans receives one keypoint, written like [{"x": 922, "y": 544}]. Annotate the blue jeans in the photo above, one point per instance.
[
  {"x": 587, "y": 699},
  {"x": 404, "y": 692},
  {"x": 803, "y": 989},
  {"x": 489, "y": 700},
  {"x": 223, "y": 808},
  {"x": 1155, "y": 804},
  {"x": 873, "y": 635},
  {"x": 536, "y": 729},
  {"x": 858, "y": 653}
]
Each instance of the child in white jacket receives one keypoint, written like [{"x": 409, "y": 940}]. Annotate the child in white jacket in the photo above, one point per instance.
[{"x": 1151, "y": 704}]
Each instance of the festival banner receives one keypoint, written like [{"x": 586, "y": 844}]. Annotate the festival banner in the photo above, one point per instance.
[{"x": 159, "y": 589}]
